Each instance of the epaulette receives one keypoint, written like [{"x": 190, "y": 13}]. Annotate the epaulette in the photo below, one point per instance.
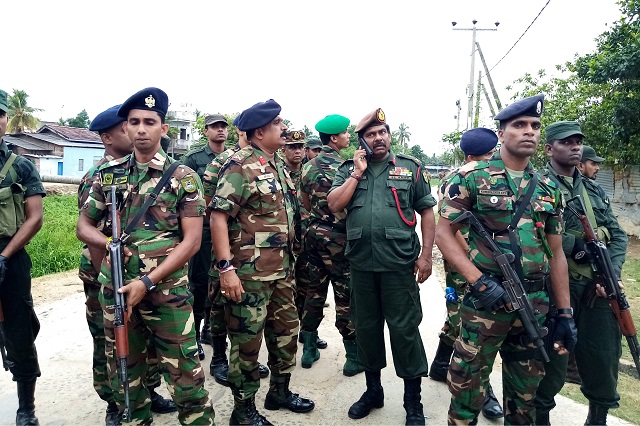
[
  {"x": 241, "y": 155},
  {"x": 193, "y": 151},
  {"x": 115, "y": 162},
  {"x": 471, "y": 166},
  {"x": 409, "y": 157}
]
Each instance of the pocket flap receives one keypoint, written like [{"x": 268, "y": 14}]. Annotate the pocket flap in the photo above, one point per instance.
[
  {"x": 155, "y": 248},
  {"x": 271, "y": 239},
  {"x": 399, "y": 184},
  {"x": 397, "y": 234},
  {"x": 354, "y": 233},
  {"x": 5, "y": 193}
]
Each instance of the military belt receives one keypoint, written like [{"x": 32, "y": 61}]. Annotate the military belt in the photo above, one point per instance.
[{"x": 531, "y": 286}]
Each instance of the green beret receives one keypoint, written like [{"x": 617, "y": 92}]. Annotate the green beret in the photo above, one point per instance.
[
  {"x": 313, "y": 143},
  {"x": 332, "y": 124},
  {"x": 562, "y": 129},
  {"x": 3, "y": 101}
]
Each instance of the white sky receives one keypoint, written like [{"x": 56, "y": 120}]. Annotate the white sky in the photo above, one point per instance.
[{"x": 313, "y": 57}]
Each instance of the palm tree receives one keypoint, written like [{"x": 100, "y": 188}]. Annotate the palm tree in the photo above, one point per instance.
[
  {"x": 404, "y": 136},
  {"x": 21, "y": 115}
]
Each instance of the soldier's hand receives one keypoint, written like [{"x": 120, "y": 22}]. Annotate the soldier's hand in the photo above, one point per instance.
[
  {"x": 360, "y": 161},
  {"x": 566, "y": 335},
  {"x": 134, "y": 291},
  {"x": 423, "y": 268},
  {"x": 231, "y": 286},
  {"x": 3, "y": 268},
  {"x": 489, "y": 292},
  {"x": 127, "y": 255}
]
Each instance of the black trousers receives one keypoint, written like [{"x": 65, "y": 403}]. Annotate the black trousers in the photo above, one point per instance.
[{"x": 199, "y": 267}]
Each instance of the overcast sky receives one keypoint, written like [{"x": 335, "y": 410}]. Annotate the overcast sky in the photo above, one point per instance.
[{"x": 313, "y": 57}]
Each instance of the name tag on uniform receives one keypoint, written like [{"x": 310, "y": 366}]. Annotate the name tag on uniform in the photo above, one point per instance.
[
  {"x": 501, "y": 193},
  {"x": 396, "y": 177},
  {"x": 265, "y": 176}
]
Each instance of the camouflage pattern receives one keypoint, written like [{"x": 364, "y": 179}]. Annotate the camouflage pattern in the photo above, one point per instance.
[
  {"x": 165, "y": 313},
  {"x": 486, "y": 189},
  {"x": 259, "y": 197},
  {"x": 325, "y": 241}
]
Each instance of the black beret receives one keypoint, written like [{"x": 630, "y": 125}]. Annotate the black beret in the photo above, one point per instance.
[
  {"x": 530, "y": 107},
  {"x": 478, "y": 141},
  {"x": 258, "y": 115},
  {"x": 106, "y": 120},
  {"x": 149, "y": 99}
]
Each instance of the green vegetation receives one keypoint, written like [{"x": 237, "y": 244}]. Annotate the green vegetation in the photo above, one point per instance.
[{"x": 55, "y": 248}]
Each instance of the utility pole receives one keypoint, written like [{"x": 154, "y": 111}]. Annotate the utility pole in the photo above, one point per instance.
[
  {"x": 486, "y": 96},
  {"x": 459, "y": 108},
  {"x": 477, "y": 115},
  {"x": 473, "y": 61},
  {"x": 486, "y": 70}
]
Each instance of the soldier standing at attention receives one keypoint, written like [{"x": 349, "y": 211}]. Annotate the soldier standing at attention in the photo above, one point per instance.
[
  {"x": 157, "y": 250},
  {"x": 599, "y": 347},
  {"x": 503, "y": 191},
  {"x": 477, "y": 145},
  {"x": 20, "y": 220},
  {"x": 325, "y": 239},
  {"x": 590, "y": 162},
  {"x": 312, "y": 148},
  {"x": 382, "y": 195},
  {"x": 254, "y": 255},
  {"x": 216, "y": 130}
]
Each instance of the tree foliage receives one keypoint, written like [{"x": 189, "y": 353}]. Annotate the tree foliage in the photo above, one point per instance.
[
  {"x": 21, "y": 116},
  {"x": 81, "y": 120}
]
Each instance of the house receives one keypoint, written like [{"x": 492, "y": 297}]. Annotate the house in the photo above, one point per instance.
[
  {"x": 58, "y": 150},
  {"x": 184, "y": 119}
]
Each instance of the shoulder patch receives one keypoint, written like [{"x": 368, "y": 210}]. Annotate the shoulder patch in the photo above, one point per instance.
[
  {"x": 471, "y": 166},
  {"x": 188, "y": 183}
]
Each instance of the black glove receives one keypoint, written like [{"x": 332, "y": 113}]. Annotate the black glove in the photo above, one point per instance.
[
  {"x": 581, "y": 253},
  {"x": 493, "y": 297},
  {"x": 566, "y": 332},
  {"x": 3, "y": 268}
]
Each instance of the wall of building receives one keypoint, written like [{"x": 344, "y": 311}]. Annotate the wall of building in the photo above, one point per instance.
[
  {"x": 48, "y": 166},
  {"x": 623, "y": 189},
  {"x": 72, "y": 160}
]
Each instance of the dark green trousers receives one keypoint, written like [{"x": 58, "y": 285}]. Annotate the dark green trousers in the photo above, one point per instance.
[
  {"x": 597, "y": 353},
  {"x": 392, "y": 297}
]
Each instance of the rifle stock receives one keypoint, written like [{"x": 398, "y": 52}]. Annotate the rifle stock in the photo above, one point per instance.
[{"x": 606, "y": 276}]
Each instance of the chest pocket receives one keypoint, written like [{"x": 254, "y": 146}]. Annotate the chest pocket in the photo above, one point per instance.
[
  {"x": 494, "y": 202},
  {"x": 403, "y": 189},
  {"x": 163, "y": 212},
  {"x": 359, "y": 196},
  {"x": 12, "y": 214},
  {"x": 268, "y": 190}
]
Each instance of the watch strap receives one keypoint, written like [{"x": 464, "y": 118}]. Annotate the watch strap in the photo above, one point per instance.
[
  {"x": 147, "y": 282},
  {"x": 564, "y": 311}
]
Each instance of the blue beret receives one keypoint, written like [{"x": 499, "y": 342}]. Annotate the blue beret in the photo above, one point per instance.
[
  {"x": 531, "y": 107},
  {"x": 258, "y": 115},
  {"x": 332, "y": 124},
  {"x": 237, "y": 119},
  {"x": 149, "y": 99},
  {"x": 478, "y": 141},
  {"x": 106, "y": 120}
]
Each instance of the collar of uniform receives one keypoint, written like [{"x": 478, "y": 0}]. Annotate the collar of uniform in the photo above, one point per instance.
[
  {"x": 109, "y": 157},
  {"x": 207, "y": 149},
  {"x": 4, "y": 149},
  {"x": 157, "y": 162},
  {"x": 496, "y": 163},
  {"x": 392, "y": 158},
  {"x": 260, "y": 153},
  {"x": 576, "y": 174}
]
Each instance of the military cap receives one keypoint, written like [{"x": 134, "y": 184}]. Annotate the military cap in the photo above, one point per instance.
[
  {"x": 530, "y": 107},
  {"x": 149, "y": 99},
  {"x": 237, "y": 119},
  {"x": 478, "y": 141},
  {"x": 106, "y": 120},
  {"x": 3, "y": 101},
  {"x": 374, "y": 118},
  {"x": 258, "y": 115},
  {"x": 313, "y": 143},
  {"x": 589, "y": 153},
  {"x": 295, "y": 137},
  {"x": 562, "y": 129},
  {"x": 333, "y": 124},
  {"x": 215, "y": 118}
]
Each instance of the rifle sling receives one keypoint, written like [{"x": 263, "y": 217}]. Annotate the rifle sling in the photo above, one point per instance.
[
  {"x": 7, "y": 165},
  {"x": 149, "y": 200},
  {"x": 513, "y": 226}
]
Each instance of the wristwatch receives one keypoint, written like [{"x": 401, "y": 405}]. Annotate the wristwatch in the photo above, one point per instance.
[
  {"x": 148, "y": 283},
  {"x": 565, "y": 311},
  {"x": 223, "y": 264}
]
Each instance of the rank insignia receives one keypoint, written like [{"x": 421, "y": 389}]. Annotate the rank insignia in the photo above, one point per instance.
[
  {"x": 493, "y": 180},
  {"x": 539, "y": 107},
  {"x": 188, "y": 183},
  {"x": 493, "y": 199},
  {"x": 150, "y": 101},
  {"x": 548, "y": 199},
  {"x": 380, "y": 115},
  {"x": 262, "y": 160},
  {"x": 107, "y": 179}
]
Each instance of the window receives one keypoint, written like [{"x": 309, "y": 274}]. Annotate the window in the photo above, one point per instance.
[
  {"x": 81, "y": 165},
  {"x": 183, "y": 134}
]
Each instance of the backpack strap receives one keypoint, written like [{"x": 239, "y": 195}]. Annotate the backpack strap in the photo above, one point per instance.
[{"x": 6, "y": 168}]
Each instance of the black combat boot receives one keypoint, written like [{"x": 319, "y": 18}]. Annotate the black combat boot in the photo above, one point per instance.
[
  {"x": 245, "y": 413},
  {"x": 440, "y": 364},
  {"x": 320, "y": 344},
  {"x": 263, "y": 370},
  {"x": 200, "y": 349},
  {"x": 279, "y": 396},
  {"x": 26, "y": 414},
  {"x": 113, "y": 415},
  {"x": 219, "y": 367},
  {"x": 205, "y": 334},
  {"x": 412, "y": 404},
  {"x": 161, "y": 405},
  {"x": 542, "y": 418},
  {"x": 597, "y": 415},
  {"x": 372, "y": 398},
  {"x": 491, "y": 408}
]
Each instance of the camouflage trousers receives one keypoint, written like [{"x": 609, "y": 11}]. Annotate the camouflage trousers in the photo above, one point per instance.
[
  {"x": 326, "y": 262},
  {"x": 216, "y": 319},
  {"x": 303, "y": 281},
  {"x": 165, "y": 315},
  {"x": 482, "y": 335},
  {"x": 95, "y": 321},
  {"x": 266, "y": 308},
  {"x": 451, "y": 328}
]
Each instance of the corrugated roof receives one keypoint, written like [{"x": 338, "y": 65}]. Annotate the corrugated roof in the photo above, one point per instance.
[
  {"x": 55, "y": 139},
  {"x": 24, "y": 143},
  {"x": 71, "y": 133}
]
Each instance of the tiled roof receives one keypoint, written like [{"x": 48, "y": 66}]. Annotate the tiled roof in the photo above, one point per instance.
[
  {"x": 75, "y": 134},
  {"x": 24, "y": 143}
]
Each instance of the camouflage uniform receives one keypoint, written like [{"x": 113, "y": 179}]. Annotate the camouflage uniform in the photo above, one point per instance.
[
  {"x": 486, "y": 189},
  {"x": 599, "y": 338},
  {"x": 257, "y": 195},
  {"x": 166, "y": 312}
]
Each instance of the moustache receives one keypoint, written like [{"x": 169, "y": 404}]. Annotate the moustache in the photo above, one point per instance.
[{"x": 284, "y": 134}]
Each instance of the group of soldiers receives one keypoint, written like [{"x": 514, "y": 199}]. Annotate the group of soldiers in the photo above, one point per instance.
[{"x": 240, "y": 245}]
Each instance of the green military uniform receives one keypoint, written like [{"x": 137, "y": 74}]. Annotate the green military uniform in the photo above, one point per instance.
[
  {"x": 599, "y": 338},
  {"x": 382, "y": 249},
  {"x": 21, "y": 325},
  {"x": 486, "y": 189},
  {"x": 165, "y": 312},
  {"x": 257, "y": 195}
]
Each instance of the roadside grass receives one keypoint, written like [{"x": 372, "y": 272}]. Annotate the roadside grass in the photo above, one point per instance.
[
  {"x": 630, "y": 279},
  {"x": 55, "y": 247}
]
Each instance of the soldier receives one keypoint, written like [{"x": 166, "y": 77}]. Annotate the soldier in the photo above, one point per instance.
[
  {"x": 20, "y": 220},
  {"x": 216, "y": 130},
  {"x": 116, "y": 145},
  {"x": 589, "y": 163},
  {"x": 382, "y": 194},
  {"x": 324, "y": 240},
  {"x": 524, "y": 214},
  {"x": 219, "y": 367},
  {"x": 477, "y": 145},
  {"x": 156, "y": 254},
  {"x": 256, "y": 195},
  {"x": 312, "y": 148},
  {"x": 293, "y": 154},
  {"x": 599, "y": 347}
]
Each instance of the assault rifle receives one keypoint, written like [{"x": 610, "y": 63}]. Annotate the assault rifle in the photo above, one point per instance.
[
  {"x": 6, "y": 364},
  {"x": 120, "y": 317},
  {"x": 606, "y": 277},
  {"x": 511, "y": 284}
]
